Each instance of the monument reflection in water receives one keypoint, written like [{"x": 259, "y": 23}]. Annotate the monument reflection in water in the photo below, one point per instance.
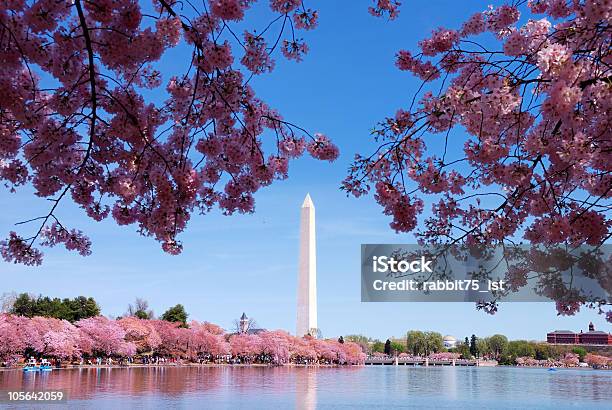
[{"x": 306, "y": 389}]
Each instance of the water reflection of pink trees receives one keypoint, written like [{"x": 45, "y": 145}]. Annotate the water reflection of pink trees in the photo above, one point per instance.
[
  {"x": 200, "y": 342},
  {"x": 86, "y": 383}
]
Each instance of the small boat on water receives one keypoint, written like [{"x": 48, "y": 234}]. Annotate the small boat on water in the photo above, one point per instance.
[
  {"x": 33, "y": 366},
  {"x": 552, "y": 369},
  {"x": 31, "y": 369},
  {"x": 45, "y": 366}
]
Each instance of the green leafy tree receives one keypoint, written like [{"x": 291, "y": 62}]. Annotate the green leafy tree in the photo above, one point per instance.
[
  {"x": 378, "y": 346},
  {"x": 397, "y": 348},
  {"x": 416, "y": 342},
  {"x": 82, "y": 308},
  {"x": 23, "y": 305},
  {"x": 498, "y": 345},
  {"x": 141, "y": 314},
  {"x": 518, "y": 348},
  {"x": 464, "y": 350},
  {"x": 581, "y": 352},
  {"x": 176, "y": 314},
  {"x": 482, "y": 347},
  {"x": 544, "y": 351},
  {"x": 434, "y": 342},
  {"x": 423, "y": 343},
  {"x": 67, "y": 309}
]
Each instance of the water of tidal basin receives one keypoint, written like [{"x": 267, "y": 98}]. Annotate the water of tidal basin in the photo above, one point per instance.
[{"x": 312, "y": 388}]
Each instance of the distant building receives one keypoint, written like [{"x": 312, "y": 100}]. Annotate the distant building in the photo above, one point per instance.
[
  {"x": 595, "y": 337},
  {"x": 449, "y": 341},
  {"x": 592, "y": 337},
  {"x": 565, "y": 337},
  {"x": 244, "y": 323},
  {"x": 247, "y": 326}
]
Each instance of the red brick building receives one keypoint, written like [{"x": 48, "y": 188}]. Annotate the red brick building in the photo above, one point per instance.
[
  {"x": 565, "y": 337},
  {"x": 592, "y": 337}
]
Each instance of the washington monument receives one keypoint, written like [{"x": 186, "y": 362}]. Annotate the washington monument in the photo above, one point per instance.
[{"x": 307, "y": 275}]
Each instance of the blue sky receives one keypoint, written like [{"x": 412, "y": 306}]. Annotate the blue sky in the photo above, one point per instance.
[{"x": 248, "y": 263}]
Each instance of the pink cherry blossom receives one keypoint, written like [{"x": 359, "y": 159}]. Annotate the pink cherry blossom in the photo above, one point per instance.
[
  {"x": 385, "y": 7},
  {"x": 597, "y": 360},
  {"x": 13, "y": 343},
  {"x": 63, "y": 343},
  {"x": 76, "y": 125},
  {"x": 285, "y": 6},
  {"x": 141, "y": 333},
  {"x": 294, "y": 50},
  {"x": 100, "y": 335},
  {"x": 512, "y": 145},
  {"x": 256, "y": 57},
  {"x": 322, "y": 148},
  {"x": 305, "y": 19},
  {"x": 246, "y": 346}
]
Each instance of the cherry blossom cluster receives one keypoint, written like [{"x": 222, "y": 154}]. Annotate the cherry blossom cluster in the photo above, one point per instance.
[
  {"x": 128, "y": 336},
  {"x": 78, "y": 124},
  {"x": 598, "y": 360},
  {"x": 508, "y": 142},
  {"x": 388, "y": 8}
]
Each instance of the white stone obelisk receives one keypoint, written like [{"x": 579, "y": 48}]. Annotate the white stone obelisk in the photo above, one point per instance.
[{"x": 307, "y": 275}]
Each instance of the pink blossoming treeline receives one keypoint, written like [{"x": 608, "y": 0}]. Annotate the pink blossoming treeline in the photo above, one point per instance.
[{"x": 101, "y": 337}]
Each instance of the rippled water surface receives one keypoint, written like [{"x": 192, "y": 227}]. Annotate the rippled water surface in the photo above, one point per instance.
[{"x": 311, "y": 388}]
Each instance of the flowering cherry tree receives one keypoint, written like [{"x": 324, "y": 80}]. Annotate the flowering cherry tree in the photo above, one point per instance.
[
  {"x": 203, "y": 341},
  {"x": 100, "y": 335},
  {"x": 302, "y": 350},
  {"x": 509, "y": 134},
  {"x": 63, "y": 342},
  {"x": 140, "y": 332},
  {"x": 597, "y": 360},
  {"x": 78, "y": 124},
  {"x": 570, "y": 360},
  {"x": 245, "y": 346},
  {"x": 12, "y": 339},
  {"x": 275, "y": 345}
]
